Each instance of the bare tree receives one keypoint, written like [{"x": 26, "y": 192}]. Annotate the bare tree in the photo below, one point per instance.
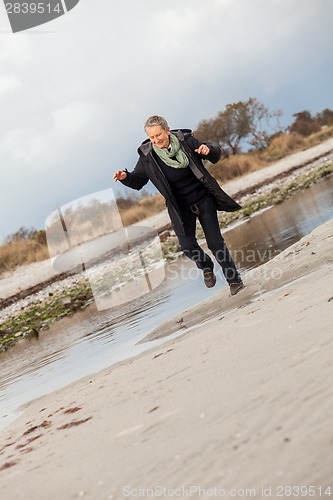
[{"x": 242, "y": 122}]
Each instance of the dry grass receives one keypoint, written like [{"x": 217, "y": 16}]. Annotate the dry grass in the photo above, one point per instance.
[
  {"x": 282, "y": 146},
  {"x": 19, "y": 252},
  {"x": 323, "y": 135},
  {"x": 236, "y": 166},
  {"x": 145, "y": 207}
]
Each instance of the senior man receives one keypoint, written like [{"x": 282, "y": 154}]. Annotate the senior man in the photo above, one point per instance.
[{"x": 172, "y": 161}]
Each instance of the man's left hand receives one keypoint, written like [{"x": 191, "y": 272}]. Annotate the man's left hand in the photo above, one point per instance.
[{"x": 203, "y": 150}]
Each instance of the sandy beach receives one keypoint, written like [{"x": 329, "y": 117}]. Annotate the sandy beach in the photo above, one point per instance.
[
  {"x": 236, "y": 402},
  {"x": 239, "y": 403}
]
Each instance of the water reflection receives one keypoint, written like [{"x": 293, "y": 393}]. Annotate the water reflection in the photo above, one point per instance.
[
  {"x": 262, "y": 237},
  {"x": 90, "y": 341}
]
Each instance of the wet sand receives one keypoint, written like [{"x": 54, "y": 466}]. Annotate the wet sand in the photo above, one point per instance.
[{"x": 239, "y": 399}]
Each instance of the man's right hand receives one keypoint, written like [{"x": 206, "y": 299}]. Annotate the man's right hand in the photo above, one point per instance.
[{"x": 119, "y": 175}]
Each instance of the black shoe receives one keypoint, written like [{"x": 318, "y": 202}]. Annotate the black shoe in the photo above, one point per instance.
[
  {"x": 209, "y": 279},
  {"x": 236, "y": 287}
]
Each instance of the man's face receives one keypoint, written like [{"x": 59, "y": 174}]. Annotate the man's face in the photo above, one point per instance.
[{"x": 158, "y": 136}]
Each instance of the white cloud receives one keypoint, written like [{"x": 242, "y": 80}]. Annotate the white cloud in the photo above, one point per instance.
[
  {"x": 74, "y": 119},
  {"x": 74, "y": 125},
  {"x": 8, "y": 83},
  {"x": 15, "y": 50},
  {"x": 23, "y": 146}
]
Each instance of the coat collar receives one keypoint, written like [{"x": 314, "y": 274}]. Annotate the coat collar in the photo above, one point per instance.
[{"x": 146, "y": 147}]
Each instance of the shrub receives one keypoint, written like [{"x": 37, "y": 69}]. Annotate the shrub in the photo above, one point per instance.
[
  {"x": 304, "y": 124},
  {"x": 283, "y": 145},
  {"x": 235, "y": 166},
  {"x": 21, "y": 251}
]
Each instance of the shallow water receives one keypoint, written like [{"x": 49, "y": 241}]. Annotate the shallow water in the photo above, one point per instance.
[{"x": 93, "y": 340}]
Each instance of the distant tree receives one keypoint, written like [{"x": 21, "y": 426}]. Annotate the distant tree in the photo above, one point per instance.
[
  {"x": 27, "y": 233},
  {"x": 241, "y": 122},
  {"x": 127, "y": 200},
  {"x": 23, "y": 233},
  {"x": 325, "y": 117},
  {"x": 304, "y": 124}
]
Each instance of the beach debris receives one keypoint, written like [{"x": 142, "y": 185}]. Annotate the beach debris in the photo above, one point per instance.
[
  {"x": 46, "y": 423},
  {"x": 73, "y": 410},
  {"x": 6, "y": 465},
  {"x": 153, "y": 409},
  {"x": 73, "y": 423},
  {"x": 181, "y": 323}
]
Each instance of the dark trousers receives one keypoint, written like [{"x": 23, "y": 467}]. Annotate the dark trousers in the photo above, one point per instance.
[{"x": 206, "y": 212}]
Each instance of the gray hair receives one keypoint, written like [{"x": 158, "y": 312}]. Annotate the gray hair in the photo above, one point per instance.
[{"x": 156, "y": 120}]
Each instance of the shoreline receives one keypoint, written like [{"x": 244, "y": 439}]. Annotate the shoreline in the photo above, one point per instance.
[
  {"x": 72, "y": 293},
  {"x": 240, "y": 399}
]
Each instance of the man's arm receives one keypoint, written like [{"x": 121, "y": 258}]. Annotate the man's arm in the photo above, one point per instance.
[
  {"x": 135, "y": 179},
  {"x": 206, "y": 151}
]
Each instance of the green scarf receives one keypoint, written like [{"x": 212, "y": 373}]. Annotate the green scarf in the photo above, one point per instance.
[{"x": 175, "y": 158}]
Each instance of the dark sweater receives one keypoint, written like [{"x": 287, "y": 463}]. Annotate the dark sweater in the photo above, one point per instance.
[{"x": 186, "y": 188}]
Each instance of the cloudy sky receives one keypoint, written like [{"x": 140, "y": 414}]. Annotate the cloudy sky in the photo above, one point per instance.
[{"x": 74, "y": 93}]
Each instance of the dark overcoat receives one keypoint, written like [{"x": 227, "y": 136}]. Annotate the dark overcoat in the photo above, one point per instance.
[{"x": 147, "y": 169}]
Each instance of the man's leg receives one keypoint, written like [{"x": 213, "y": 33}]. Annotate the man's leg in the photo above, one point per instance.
[
  {"x": 193, "y": 251},
  {"x": 216, "y": 244}
]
